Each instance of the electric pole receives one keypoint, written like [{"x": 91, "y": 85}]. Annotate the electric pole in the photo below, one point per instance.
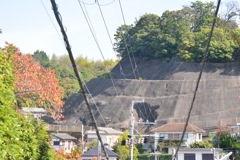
[{"x": 132, "y": 127}]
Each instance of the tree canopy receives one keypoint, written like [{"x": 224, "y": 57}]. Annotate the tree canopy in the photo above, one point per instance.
[
  {"x": 36, "y": 86},
  {"x": 20, "y": 137},
  {"x": 181, "y": 35}
]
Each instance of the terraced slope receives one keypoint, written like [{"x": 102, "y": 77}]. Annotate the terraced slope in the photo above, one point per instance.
[{"x": 167, "y": 89}]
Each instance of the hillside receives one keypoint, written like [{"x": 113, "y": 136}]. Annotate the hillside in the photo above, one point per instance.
[{"x": 167, "y": 89}]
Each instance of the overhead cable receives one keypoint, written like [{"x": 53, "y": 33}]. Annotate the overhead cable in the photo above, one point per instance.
[
  {"x": 84, "y": 84},
  {"x": 52, "y": 21},
  {"x": 136, "y": 67},
  {"x": 68, "y": 48},
  {"x": 106, "y": 27},
  {"x": 129, "y": 42},
  {"x": 199, "y": 77}
]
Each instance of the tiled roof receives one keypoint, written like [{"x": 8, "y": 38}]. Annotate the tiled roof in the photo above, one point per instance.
[
  {"x": 104, "y": 130},
  {"x": 178, "y": 127},
  {"x": 41, "y": 110},
  {"x": 200, "y": 149},
  {"x": 93, "y": 152},
  {"x": 64, "y": 136}
]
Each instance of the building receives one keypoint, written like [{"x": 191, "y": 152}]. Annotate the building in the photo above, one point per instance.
[
  {"x": 93, "y": 154},
  {"x": 35, "y": 112},
  {"x": 199, "y": 153},
  {"x": 234, "y": 129},
  {"x": 109, "y": 136},
  {"x": 173, "y": 131},
  {"x": 63, "y": 141}
]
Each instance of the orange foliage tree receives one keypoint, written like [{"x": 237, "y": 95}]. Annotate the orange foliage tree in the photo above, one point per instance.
[
  {"x": 36, "y": 86},
  {"x": 74, "y": 155}
]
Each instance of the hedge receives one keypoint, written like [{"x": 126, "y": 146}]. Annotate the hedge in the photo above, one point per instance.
[{"x": 152, "y": 157}]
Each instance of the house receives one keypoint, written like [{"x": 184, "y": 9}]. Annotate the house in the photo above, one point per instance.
[
  {"x": 93, "y": 153},
  {"x": 63, "y": 141},
  {"x": 173, "y": 131},
  {"x": 234, "y": 129},
  {"x": 199, "y": 153},
  {"x": 35, "y": 112},
  {"x": 109, "y": 136}
]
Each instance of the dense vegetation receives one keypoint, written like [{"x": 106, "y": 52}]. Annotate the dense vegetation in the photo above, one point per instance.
[
  {"x": 221, "y": 138},
  {"x": 63, "y": 68},
  {"x": 175, "y": 36},
  {"x": 24, "y": 82},
  {"x": 182, "y": 35},
  {"x": 20, "y": 137}
]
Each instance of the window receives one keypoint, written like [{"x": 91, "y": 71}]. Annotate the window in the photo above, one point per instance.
[
  {"x": 185, "y": 136},
  {"x": 163, "y": 135},
  {"x": 207, "y": 156},
  {"x": 69, "y": 145},
  {"x": 165, "y": 150},
  {"x": 199, "y": 136},
  {"x": 56, "y": 143},
  {"x": 189, "y": 156},
  {"x": 173, "y": 136}
]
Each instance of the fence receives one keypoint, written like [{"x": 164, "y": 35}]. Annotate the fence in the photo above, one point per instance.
[{"x": 66, "y": 128}]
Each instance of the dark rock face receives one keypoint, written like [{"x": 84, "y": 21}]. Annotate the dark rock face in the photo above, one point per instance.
[{"x": 167, "y": 90}]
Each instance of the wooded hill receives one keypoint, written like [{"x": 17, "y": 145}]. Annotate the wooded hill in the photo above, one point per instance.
[
  {"x": 166, "y": 88},
  {"x": 182, "y": 35},
  {"x": 168, "y": 49}
]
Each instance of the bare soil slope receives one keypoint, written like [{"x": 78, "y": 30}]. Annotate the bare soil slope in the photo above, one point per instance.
[{"x": 166, "y": 88}]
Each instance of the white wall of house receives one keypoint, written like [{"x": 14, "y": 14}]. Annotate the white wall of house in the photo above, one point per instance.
[
  {"x": 189, "y": 137},
  {"x": 58, "y": 144},
  {"x": 111, "y": 140},
  {"x": 198, "y": 153},
  {"x": 103, "y": 158},
  {"x": 235, "y": 129}
]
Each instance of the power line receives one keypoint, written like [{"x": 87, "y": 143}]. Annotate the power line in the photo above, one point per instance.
[
  {"x": 106, "y": 27},
  {"x": 68, "y": 48},
  {"x": 52, "y": 21},
  {"x": 107, "y": 3},
  {"x": 96, "y": 41},
  {"x": 94, "y": 35},
  {"x": 199, "y": 77},
  {"x": 96, "y": 2},
  {"x": 88, "y": 3},
  {"x": 129, "y": 42},
  {"x": 136, "y": 67},
  {"x": 99, "y": 48},
  {"x": 94, "y": 102},
  {"x": 92, "y": 30}
]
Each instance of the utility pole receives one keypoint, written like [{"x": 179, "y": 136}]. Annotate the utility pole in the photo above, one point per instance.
[
  {"x": 83, "y": 149},
  {"x": 99, "y": 151},
  {"x": 132, "y": 127}
]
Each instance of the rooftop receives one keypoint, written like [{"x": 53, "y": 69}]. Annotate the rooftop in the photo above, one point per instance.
[
  {"x": 104, "y": 130},
  {"x": 178, "y": 127},
  {"x": 64, "y": 136},
  {"x": 93, "y": 152},
  {"x": 32, "y": 110},
  {"x": 200, "y": 149}
]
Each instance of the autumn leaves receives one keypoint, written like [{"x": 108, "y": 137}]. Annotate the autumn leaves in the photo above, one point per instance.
[{"x": 35, "y": 86}]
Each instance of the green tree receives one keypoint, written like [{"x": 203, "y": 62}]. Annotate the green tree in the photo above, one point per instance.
[
  {"x": 21, "y": 138},
  {"x": 124, "y": 150},
  {"x": 181, "y": 35},
  {"x": 202, "y": 15},
  {"x": 93, "y": 144},
  {"x": 169, "y": 143},
  {"x": 221, "y": 138},
  {"x": 42, "y": 58},
  {"x": 202, "y": 144},
  {"x": 87, "y": 68}
]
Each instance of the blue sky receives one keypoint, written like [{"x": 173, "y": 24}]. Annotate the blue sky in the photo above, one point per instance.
[{"x": 29, "y": 26}]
